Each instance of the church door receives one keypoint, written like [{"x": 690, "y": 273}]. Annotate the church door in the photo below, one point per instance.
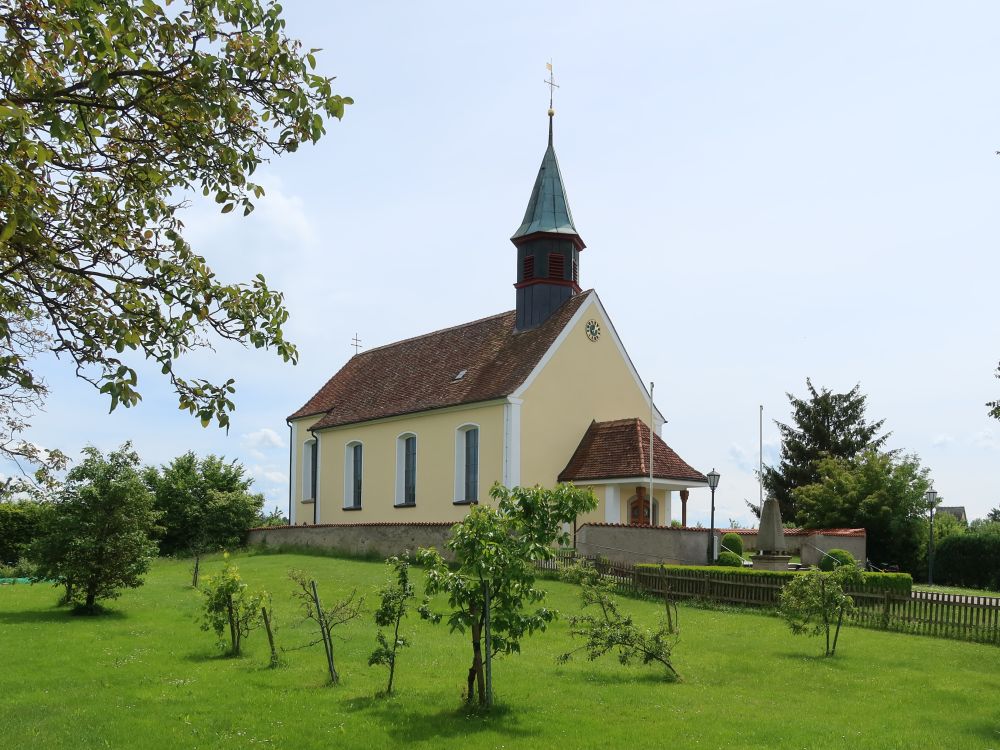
[{"x": 638, "y": 511}]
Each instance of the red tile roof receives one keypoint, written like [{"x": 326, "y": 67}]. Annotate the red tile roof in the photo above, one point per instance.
[
  {"x": 419, "y": 374},
  {"x": 619, "y": 450}
]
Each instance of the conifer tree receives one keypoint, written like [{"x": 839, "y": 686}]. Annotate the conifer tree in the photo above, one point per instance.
[{"x": 825, "y": 425}]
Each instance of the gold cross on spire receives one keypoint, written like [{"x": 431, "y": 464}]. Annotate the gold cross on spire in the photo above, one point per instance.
[{"x": 551, "y": 84}]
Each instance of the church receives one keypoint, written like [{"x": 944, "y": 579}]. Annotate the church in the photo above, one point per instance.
[{"x": 418, "y": 430}]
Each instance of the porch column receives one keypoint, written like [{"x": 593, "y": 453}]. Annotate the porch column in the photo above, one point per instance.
[
  {"x": 668, "y": 507},
  {"x": 684, "y": 507}
]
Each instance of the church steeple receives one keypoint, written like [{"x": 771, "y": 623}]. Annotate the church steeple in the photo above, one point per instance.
[{"x": 548, "y": 246}]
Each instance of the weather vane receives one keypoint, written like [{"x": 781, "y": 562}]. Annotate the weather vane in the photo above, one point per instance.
[
  {"x": 551, "y": 84},
  {"x": 356, "y": 343}
]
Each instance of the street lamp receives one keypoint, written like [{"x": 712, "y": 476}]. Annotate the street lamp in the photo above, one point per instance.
[
  {"x": 931, "y": 498},
  {"x": 713, "y": 482}
]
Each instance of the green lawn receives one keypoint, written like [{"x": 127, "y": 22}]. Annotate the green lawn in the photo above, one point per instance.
[
  {"x": 145, "y": 676},
  {"x": 953, "y": 590}
]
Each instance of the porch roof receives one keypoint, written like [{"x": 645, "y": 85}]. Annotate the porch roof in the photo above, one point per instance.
[{"x": 620, "y": 450}]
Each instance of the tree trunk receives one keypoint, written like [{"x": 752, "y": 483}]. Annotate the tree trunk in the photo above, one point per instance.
[
  {"x": 91, "y": 602},
  {"x": 395, "y": 647},
  {"x": 234, "y": 636},
  {"x": 270, "y": 637},
  {"x": 836, "y": 634},
  {"x": 326, "y": 634},
  {"x": 477, "y": 660},
  {"x": 826, "y": 618},
  {"x": 194, "y": 578}
]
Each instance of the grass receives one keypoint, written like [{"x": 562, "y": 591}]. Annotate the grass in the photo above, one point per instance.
[
  {"x": 954, "y": 590},
  {"x": 145, "y": 675}
]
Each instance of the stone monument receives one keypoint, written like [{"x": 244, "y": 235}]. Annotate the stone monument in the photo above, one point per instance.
[{"x": 770, "y": 539}]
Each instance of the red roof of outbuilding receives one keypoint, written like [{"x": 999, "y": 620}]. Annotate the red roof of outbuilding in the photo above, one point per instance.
[
  {"x": 419, "y": 374},
  {"x": 620, "y": 450}
]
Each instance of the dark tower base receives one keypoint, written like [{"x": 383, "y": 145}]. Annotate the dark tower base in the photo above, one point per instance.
[{"x": 536, "y": 302}]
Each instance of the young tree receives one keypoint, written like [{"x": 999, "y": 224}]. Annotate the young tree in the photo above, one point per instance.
[
  {"x": 206, "y": 504},
  {"x": 95, "y": 540},
  {"x": 327, "y": 619},
  {"x": 882, "y": 492},
  {"x": 814, "y": 602},
  {"x": 231, "y": 606},
  {"x": 112, "y": 114},
  {"x": 826, "y": 425},
  {"x": 495, "y": 549},
  {"x": 395, "y": 595},
  {"x": 607, "y": 629}
]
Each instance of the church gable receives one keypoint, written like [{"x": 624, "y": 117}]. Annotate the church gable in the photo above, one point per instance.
[{"x": 586, "y": 376}]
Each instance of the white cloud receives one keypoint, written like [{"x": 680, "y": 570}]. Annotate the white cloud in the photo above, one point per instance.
[
  {"x": 259, "y": 442},
  {"x": 269, "y": 474},
  {"x": 986, "y": 439},
  {"x": 943, "y": 440}
]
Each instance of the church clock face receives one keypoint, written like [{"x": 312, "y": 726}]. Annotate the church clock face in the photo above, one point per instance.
[{"x": 593, "y": 330}]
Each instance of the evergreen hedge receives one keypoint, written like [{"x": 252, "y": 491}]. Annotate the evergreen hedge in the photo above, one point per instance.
[
  {"x": 896, "y": 583},
  {"x": 970, "y": 560},
  {"x": 729, "y": 559},
  {"x": 20, "y": 523}
]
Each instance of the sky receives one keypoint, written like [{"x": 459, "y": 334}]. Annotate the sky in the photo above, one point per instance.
[{"x": 769, "y": 191}]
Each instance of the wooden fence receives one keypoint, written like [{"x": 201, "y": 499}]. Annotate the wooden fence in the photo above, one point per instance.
[{"x": 971, "y": 618}]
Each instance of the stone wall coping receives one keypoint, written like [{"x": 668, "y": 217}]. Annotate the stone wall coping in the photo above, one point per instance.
[
  {"x": 440, "y": 524},
  {"x": 742, "y": 532}
]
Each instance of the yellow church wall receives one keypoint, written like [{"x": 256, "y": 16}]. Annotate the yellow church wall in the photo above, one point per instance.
[
  {"x": 301, "y": 511},
  {"x": 436, "y": 433},
  {"x": 583, "y": 381}
]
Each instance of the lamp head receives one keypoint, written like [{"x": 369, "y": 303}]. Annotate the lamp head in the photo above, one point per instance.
[{"x": 713, "y": 479}]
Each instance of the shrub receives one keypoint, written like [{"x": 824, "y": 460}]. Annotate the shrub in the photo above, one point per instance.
[
  {"x": 729, "y": 559},
  {"x": 813, "y": 603},
  {"x": 835, "y": 558},
  {"x": 230, "y": 605},
  {"x": 971, "y": 559},
  {"x": 20, "y": 525},
  {"x": 893, "y": 583},
  {"x": 733, "y": 543}
]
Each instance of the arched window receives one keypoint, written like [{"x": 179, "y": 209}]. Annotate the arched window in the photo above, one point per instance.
[
  {"x": 353, "y": 471},
  {"x": 310, "y": 470},
  {"x": 406, "y": 469},
  {"x": 467, "y": 464}
]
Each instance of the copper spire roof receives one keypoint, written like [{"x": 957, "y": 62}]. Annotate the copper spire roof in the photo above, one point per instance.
[
  {"x": 620, "y": 450},
  {"x": 421, "y": 373},
  {"x": 548, "y": 208}
]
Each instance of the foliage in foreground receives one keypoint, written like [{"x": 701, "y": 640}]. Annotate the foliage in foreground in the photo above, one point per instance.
[
  {"x": 395, "y": 596},
  {"x": 95, "y": 539},
  {"x": 231, "y": 606},
  {"x": 607, "y": 629},
  {"x": 112, "y": 114},
  {"x": 815, "y": 602},
  {"x": 495, "y": 549}
]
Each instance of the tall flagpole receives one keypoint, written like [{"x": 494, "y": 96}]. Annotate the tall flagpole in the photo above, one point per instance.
[
  {"x": 651, "y": 409},
  {"x": 760, "y": 461}
]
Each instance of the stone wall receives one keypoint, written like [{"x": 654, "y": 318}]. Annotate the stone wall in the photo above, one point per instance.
[
  {"x": 853, "y": 543},
  {"x": 357, "y": 539},
  {"x": 643, "y": 544},
  {"x": 689, "y": 546}
]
